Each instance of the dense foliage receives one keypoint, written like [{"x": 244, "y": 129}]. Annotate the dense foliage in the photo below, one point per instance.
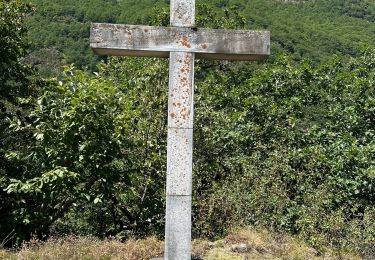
[
  {"x": 18, "y": 91},
  {"x": 295, "y": 147},
  {"x": 288, "y": 145}
]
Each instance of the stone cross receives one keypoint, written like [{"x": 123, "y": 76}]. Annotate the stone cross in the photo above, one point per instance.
[{"x": 182, "y": 42}]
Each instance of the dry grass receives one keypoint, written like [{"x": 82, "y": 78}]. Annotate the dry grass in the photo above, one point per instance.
[
  {"x": 255, "y": 244},
  {"x": 73, "y": 248},
  {"x": 241, "y": 244}
]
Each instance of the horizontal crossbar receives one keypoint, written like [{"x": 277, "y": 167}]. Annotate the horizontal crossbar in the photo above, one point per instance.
[{"x": 149, "y": 41}]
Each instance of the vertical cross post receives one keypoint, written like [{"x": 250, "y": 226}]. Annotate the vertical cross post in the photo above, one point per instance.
[{"x": 180, "y": 140}]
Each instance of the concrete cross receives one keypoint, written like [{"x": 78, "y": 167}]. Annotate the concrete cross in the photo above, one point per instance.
[{"x": 182, "y": 42}]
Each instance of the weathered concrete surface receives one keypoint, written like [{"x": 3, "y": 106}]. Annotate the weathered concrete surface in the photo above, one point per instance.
[
  {"x": 182, "y": 13},
  {"x": 180, "y": 133},
  {"x": 179, "y": 156},
  {"x": 135, "y": 40},
  {"x": 179, "y": 163},
  {"x": 181, "y": 90},
  {"x": 178, "y": 228}
]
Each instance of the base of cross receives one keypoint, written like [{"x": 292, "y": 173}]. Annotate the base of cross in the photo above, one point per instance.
[{"x": 162, "y": 258}]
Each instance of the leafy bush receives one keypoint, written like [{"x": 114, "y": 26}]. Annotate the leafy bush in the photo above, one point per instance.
[
  {"x": 18, "y": 92},
  {"x": 295, "y": 152}
]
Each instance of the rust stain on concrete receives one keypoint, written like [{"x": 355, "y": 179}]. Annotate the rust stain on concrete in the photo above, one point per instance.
[{"x": 185, "y": 42}]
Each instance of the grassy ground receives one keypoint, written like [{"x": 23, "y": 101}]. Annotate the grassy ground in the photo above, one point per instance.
[{"x": 240, "y": 244}]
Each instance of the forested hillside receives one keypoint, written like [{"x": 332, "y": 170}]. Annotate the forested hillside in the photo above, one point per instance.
[{"x": 314, "y": 29}]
